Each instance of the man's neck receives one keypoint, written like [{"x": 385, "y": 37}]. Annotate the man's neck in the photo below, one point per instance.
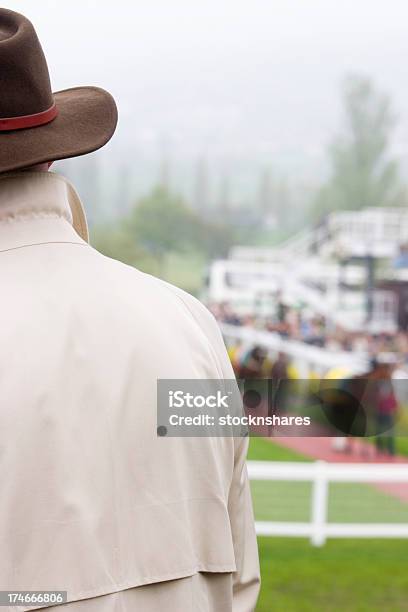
[{"x": 37, "y": 168}]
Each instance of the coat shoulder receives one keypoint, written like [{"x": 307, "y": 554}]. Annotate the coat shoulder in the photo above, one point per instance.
[
  {"x": 180, "y": 312},
  {"x": 148, "y": 286}
]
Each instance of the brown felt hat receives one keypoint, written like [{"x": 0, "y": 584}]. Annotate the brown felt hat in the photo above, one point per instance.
[{"x": 37, "y": 125}]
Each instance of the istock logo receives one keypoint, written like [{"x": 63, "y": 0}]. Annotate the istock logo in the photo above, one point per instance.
[{"x": 181, "y": 399}]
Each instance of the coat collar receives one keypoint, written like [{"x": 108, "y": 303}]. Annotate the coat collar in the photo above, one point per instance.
[{"x": 39, "y": 207}]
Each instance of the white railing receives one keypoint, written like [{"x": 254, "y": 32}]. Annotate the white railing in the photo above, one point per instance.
[{"x": 320, "y": 474}]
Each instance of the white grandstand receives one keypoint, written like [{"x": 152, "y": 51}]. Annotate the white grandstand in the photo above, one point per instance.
[{"x": 328, "y": 268}]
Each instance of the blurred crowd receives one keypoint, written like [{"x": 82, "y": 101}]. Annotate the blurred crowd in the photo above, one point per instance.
[
  {"x": 386, "y": 353},
  {"x": 303, "y": 325}
]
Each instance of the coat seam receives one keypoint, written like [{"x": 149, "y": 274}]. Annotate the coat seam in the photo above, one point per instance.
[
  {"x": 24, "y": 246},
  {"x": 151, "y": 579}
]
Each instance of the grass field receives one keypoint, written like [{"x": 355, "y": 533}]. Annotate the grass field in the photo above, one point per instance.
[
  {"x": 344, "y": 575},
  {"x": 352, "y": 575},
  {"x": 264, "y": 450}
]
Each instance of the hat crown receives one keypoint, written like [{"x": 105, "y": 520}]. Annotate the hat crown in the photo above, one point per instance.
[{"x": 24, "y": 79}]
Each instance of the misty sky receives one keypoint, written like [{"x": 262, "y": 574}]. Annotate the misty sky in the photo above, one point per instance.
[{"x": 232, "y": 79}]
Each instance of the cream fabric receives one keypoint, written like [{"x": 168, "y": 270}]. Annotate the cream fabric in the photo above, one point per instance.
[
  {"x": 40, "y": 193},
  {"x": 199, "y": 593},
  {"x": 92, "y": 501}
]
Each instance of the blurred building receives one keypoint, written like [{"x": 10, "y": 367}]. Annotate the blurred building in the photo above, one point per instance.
[{"x": 348, "y": 268}]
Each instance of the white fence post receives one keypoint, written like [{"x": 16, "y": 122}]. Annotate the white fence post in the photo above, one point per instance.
[
  {"x": 319, "y": 504},
  {"x": 321, "y": 474}
]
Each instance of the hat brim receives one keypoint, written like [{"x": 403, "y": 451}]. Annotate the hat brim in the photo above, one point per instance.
[{"x": 86, "y": 120}]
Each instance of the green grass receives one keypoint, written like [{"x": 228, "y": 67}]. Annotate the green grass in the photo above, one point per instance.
[
  {"x": 350, "y": 574},
  {"x": 348, "y": 503},
  {"x": 401, "y": 445},
  {"x": 344, "y": 575},
  {"x": 261, "y": 449}
]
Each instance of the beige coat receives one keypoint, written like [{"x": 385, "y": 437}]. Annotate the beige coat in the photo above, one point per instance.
[{"x": 93, "y": 502}]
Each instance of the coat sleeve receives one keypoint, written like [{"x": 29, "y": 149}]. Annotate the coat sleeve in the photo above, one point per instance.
[
  {"x": 246, "y": 580},
  {"x": 247, "y": 577}
]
